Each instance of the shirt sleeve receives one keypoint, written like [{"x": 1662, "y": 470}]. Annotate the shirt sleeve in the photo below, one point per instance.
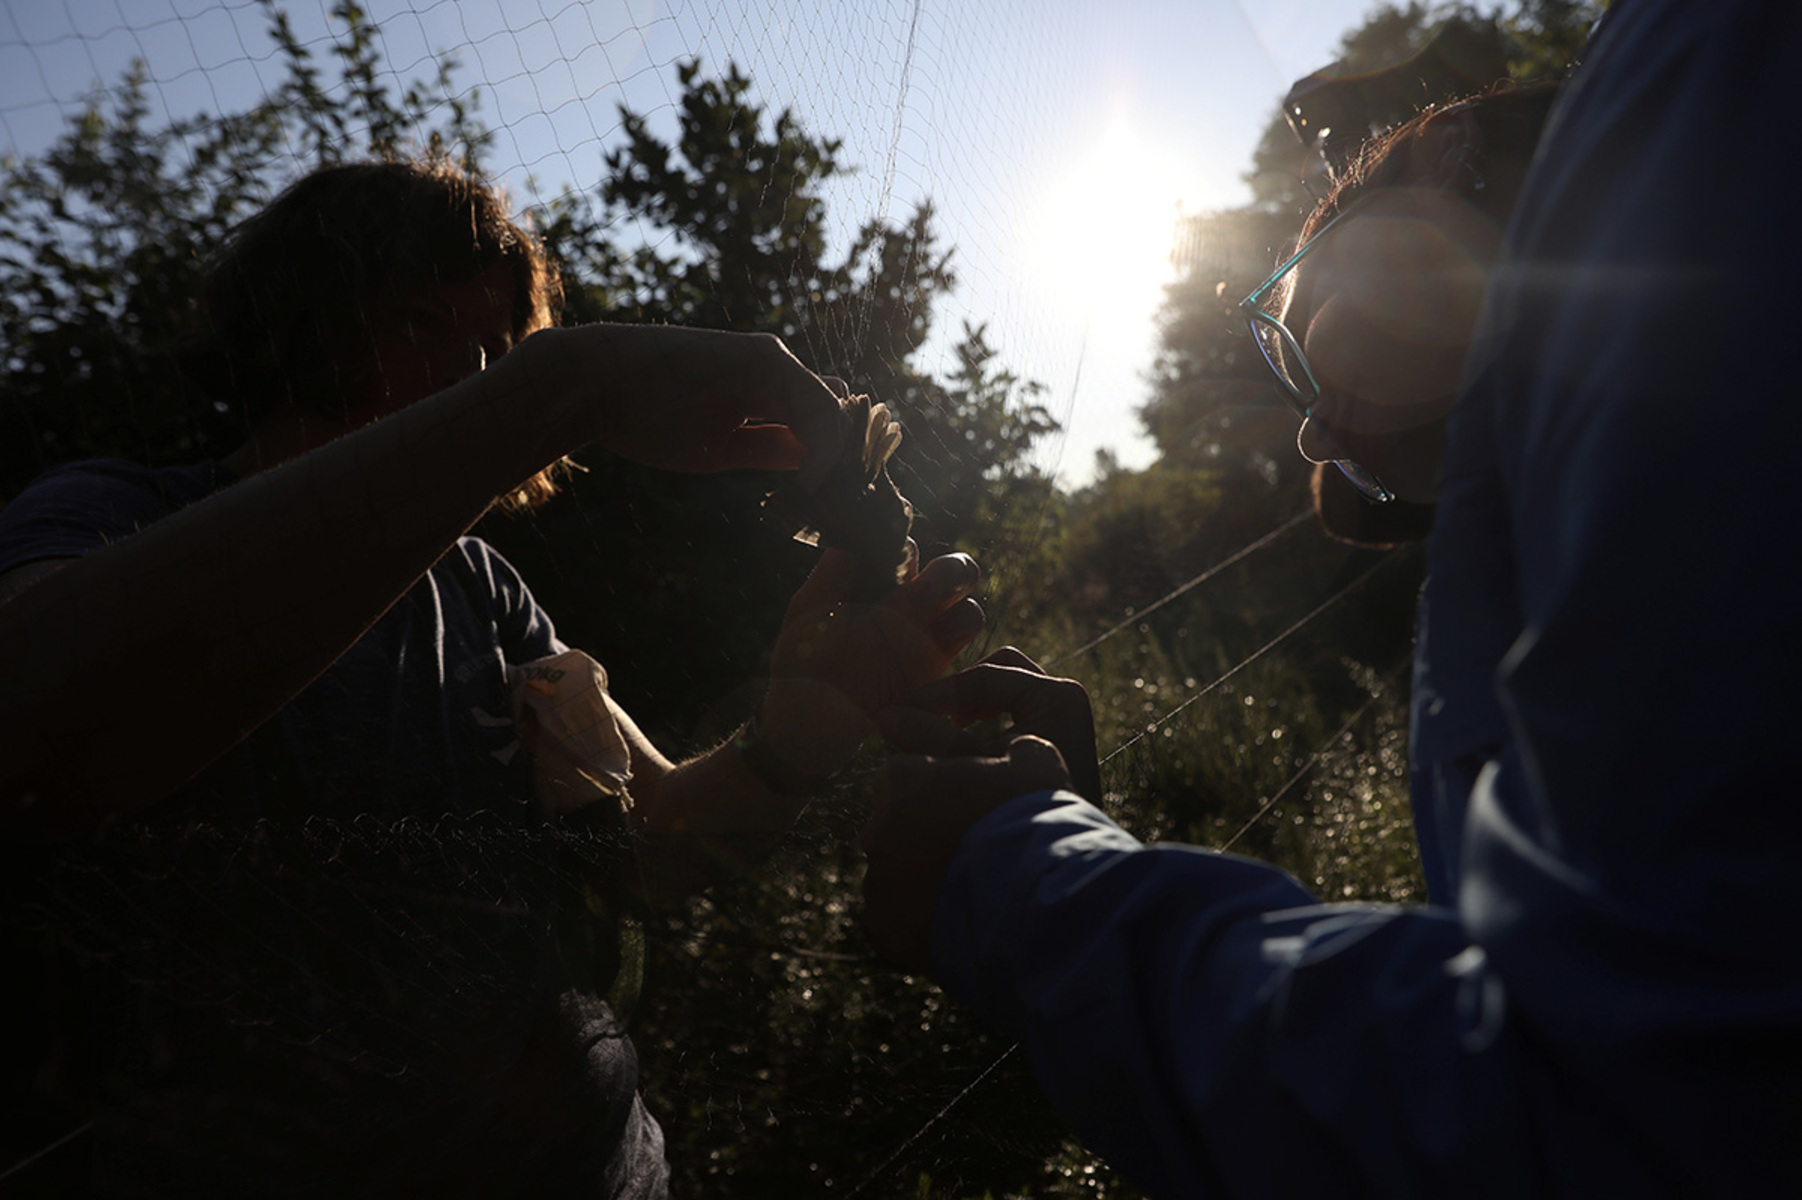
[
  {"x": 1207, "y": 1026},
  {"x": 525, "y": 630},
  {"x": 74, "y": 510},
  {"x": 1632, "y": 853}
]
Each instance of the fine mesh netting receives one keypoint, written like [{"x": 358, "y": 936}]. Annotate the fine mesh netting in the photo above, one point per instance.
[{"x": 859, "y": 179}]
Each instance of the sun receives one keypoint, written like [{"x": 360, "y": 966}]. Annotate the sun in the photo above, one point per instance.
[{"x": 1097, "y": 243}]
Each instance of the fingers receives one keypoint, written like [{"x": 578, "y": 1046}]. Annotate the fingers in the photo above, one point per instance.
[
  {"x": 1041, "y": 706},
  {"x": 940, "y": 584},
  {"x": 804, "y": 402},
  {"x": 978, "y": 695},
  {"x": 866, "y": 656},
  {"x": 917, "y": 793},
  {"x": 955, "y": 793},
  {"x": 989, "y": 690},
  {"x": 924, "y": 808},
  {"x": 821, "y": 425},
  {"x": 938, "y": 600},
  {"x": 957, "y": 627},
  {"x": 902, "y": 778},
  {"x": 1032, "y": 764},
  {"x": 1013, "y": 656},
  {"x": 699, "y": 400},
  {"x": 1039, "y": 763},
  {"x": 916, "y": 731}
]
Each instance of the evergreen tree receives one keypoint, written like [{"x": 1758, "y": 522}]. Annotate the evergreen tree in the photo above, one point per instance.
[
  {"x": 728, "y": 231},
  {"x": 723, "y": 225},
  {"x": 102, "y": 237}
]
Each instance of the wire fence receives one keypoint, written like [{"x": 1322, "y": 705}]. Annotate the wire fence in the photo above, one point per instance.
[{"x": 968, "y": 109}]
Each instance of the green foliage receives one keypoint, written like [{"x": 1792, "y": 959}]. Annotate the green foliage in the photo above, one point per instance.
[
  {"x": 1264, "y": 709},
  {"x": 99, "y": 242},
  {"x": 1403, "y": 58},
  {"x": 1207, "y": 368},
  {"x": 1548, "y": 34},
  {"x": 359, "y": 116},
  {"x": 728, "y": 231},
  {"x": 968, "y": 465},
  {"x": 784, "y": 1059},
  {"x": 723, "y": 226},
  {"x": 102, "y": 238}
]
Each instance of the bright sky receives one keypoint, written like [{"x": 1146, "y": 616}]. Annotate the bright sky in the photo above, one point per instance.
[{"x": 1058, "y": 139}]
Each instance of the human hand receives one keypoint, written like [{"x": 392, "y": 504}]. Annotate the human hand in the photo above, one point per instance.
[
  {"x": 936, "y": 719},
  {"x": 924, "y": 807},
  {"x": 694, "y": 400},
  {"x": 837, "y": 663}
]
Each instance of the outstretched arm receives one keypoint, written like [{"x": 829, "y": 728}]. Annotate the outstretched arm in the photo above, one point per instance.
[
  {"x": 131, "y": 669},
  {"x": 926, "y": 805},
  {"x": 1196, "y": 1018}
]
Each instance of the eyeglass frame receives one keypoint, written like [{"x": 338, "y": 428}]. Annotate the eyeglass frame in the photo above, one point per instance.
[{"x": 1360, "y": 477}]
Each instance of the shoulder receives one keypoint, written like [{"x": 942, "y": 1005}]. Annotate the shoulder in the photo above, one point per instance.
[
  {"x": 177, "y": 484},
  {"x": 78, "y": 507},
  {"x": 494, "y": 584},
  {"x": 487, "y": 569}
]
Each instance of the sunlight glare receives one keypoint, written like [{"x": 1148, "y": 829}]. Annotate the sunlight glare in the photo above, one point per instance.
[{"x": 1098, "y": 242}]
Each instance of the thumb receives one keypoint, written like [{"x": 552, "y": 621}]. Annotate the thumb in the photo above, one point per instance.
[{"x": 1039, "y": 760}]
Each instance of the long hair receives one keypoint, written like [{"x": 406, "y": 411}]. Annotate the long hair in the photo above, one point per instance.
[{"x": 281, "y": 320}]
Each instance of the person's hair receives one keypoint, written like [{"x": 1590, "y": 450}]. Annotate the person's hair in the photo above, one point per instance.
[
  {"x": 281, "y": 316},
  {"x": 1509, "y": 121}
]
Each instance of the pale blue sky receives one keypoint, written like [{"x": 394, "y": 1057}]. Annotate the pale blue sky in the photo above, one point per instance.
[{"x": 1058, "y": 138}]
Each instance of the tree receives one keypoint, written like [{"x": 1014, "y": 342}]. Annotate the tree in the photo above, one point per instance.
[
  {"x": 676, "y": 583},
  {"x": 102, "y": 237},
  {"x": 722, "y": 225},
  {"x": 731, "y": 233},
  {"x": 1548, "y": 35},
  {"x": 727, "y": 229}
]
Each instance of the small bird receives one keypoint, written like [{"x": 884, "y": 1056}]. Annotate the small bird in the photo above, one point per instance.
[{"x": 856, "y": 507}]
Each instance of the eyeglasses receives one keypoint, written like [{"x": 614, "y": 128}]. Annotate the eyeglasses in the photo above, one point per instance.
[{"x": 1283, "y": 354}]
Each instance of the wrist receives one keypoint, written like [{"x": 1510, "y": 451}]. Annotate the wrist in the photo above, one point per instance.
[
  {"x": 772, "y": 770},
  {"x": 552, "y": 394}
]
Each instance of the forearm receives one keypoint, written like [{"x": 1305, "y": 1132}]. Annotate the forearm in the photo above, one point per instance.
[
  {"x": 703, "y": 820},
  {"x": 1128, "y": 972},
  {"x": 835, "y": 664},
  {"x": 132, "y": 668}
]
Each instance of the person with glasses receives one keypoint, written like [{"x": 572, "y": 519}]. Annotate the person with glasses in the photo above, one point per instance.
[
  {"x": 1607, "y": 1001},
  {"x": 1367, "y": 328},
  {"x": 1367, "y": 324}
]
